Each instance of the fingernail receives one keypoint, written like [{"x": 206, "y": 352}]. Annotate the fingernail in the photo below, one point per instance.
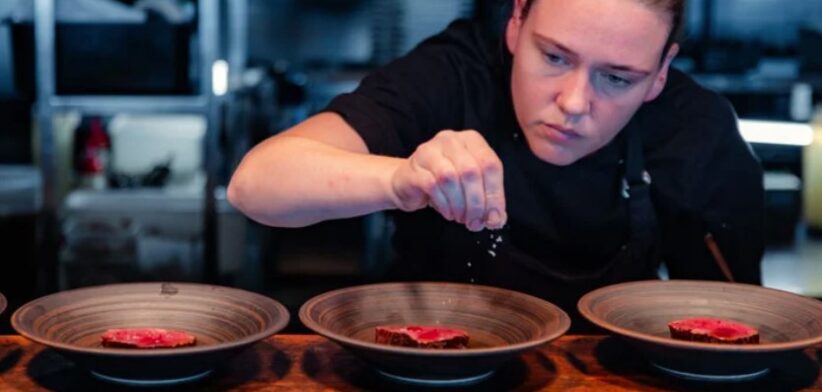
[
  {"x": 494, "y": 218},
  {"x": 475, "y": 225}
]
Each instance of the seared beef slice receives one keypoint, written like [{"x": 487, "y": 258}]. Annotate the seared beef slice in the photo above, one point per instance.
[
  {"x": 422, "y": 337},
  {"x": 713, "y": 331}
]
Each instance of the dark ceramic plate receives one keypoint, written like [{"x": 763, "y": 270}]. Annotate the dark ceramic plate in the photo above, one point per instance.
[
  {"x": 224, "y": 321},
  {"x": 640, "y": 312},
  {"x": 500, "y": 323}
]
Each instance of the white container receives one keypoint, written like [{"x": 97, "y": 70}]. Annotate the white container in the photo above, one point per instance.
[{"x": 141, "y": 142}]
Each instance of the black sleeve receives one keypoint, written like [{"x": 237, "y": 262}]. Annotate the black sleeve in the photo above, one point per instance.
[
  {"x": 408, "y": 101},
  {"x": 722, "y": 194}
]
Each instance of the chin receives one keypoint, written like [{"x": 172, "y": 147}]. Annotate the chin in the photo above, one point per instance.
[{"x": 554, "y": 156}]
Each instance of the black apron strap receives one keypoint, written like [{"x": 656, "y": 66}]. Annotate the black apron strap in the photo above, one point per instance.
[
  {"x": 640, "y": 259},
  {"x": 635, "y": 159}
]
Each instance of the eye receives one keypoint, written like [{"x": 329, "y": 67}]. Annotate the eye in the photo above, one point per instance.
[
  {"x": 617, "y": 81},
  {"x": 555, "y": 59}
]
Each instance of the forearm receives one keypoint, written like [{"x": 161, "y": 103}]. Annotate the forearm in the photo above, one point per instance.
[{"x": 291, "y": 181}]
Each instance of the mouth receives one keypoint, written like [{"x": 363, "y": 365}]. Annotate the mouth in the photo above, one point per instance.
[{"x": 558, "y": 134}]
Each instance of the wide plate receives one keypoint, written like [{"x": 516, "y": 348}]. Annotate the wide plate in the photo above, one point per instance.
[
  {"x": 640, "y": 311},
  {"x": 501, "y": 324},
  {"x": 224, "y": 321}
]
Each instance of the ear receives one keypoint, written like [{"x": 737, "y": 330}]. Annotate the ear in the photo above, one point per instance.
[
  {"x": 662, "y": 74},
  {"x": 514, "y": 25}
]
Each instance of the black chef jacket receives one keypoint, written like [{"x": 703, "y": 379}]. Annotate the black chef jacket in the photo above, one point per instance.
[{"x": 567, "y": 224}]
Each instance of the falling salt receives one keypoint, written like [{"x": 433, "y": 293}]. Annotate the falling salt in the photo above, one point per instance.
[
  {"x": 493, "y": 246},
  {"x": 468, "y": 264},
  {"x": 492, "y": 253}
]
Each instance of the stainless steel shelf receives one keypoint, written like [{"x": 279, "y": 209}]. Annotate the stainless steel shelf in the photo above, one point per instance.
[
  {"x": 206, "y": 103},
  {"x": 114, "y": 104}
]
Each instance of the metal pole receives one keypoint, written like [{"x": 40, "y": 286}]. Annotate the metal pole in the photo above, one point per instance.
[
  {"x": 209, "y": 39},
  {"x": 47, "y": 231},
  {"x": 237, "y": 41}
]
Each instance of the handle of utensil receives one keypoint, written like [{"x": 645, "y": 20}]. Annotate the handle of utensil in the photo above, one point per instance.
[{"x": 718, "y": 257}]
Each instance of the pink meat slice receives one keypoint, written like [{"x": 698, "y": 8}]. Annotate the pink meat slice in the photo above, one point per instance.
[
  {"x": 713, "y": 330},
  {"x": 422, "y": 336},
  {"x": 147, "y": 338}
]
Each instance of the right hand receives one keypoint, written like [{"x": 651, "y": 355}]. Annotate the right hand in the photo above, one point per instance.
[{"x": 459, "y": 175}]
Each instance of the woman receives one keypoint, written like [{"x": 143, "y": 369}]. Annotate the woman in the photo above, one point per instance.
[{"x": 589, "y": 158}]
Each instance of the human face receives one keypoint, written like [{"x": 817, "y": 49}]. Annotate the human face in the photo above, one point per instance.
[{"x": 581, "y": 69}]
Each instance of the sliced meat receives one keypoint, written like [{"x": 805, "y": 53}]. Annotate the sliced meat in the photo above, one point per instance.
[
  {"x": 422, "y": 336},
  {"x": 713, "y": 330},
  {"x": 147, "y": 338}
]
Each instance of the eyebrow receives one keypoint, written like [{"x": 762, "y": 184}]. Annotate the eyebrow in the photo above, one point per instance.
[{"x": 617, "y": 67}]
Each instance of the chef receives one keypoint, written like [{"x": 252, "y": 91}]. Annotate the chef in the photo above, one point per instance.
[{"x": 562, "y": 155}]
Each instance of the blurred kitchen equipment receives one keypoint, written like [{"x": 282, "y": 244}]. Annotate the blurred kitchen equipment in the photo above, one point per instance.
[
  {"x": 15, "y": 128},
  {"x": 99, "y": 251},
  {"x": 813, "y": 177},
  {"x": 400, "y": 25},
  {"x": 107, "y": 47},
  {"x": 810, "y": 57},
  {"x": 801, "y": 102},
  {"x": 93, "y": 159},
  {"x": 783, "y": 192},
  {"x": 142, "y": 143},
  {"x": 151, "y": 234},
  {"x": 20, "y": 201}
]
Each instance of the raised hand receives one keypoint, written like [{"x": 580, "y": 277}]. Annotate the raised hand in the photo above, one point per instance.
[{"x": 459, "y": 175}]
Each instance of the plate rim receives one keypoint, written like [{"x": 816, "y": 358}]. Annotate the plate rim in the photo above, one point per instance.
[
  {"x": 564, "y": 324},
  {"x": 718, "y": 378},
  {"x": 277, "y": 326},
  {"x": 583, "y": 305},
  {"x": 3, "y": 303},
  {"x": 445, "y": 382}
]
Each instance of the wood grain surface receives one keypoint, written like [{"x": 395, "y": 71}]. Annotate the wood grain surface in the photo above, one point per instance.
[{"x": 312, "y": 363}]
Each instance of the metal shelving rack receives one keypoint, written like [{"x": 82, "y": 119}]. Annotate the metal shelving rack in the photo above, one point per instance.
[{"x": 205, "y": 103}]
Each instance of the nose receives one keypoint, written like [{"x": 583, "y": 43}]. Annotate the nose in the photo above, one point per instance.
[{"x": 574, "y": 98}]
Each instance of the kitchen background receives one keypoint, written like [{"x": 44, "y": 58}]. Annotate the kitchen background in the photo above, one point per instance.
[{"x": 121, "y": 122}]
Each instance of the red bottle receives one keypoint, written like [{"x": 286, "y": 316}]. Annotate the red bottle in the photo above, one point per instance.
[{"x": 95, "y": 156}]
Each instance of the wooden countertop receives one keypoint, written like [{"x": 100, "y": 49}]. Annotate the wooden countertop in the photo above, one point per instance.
[{"x": 312, "y": 363}]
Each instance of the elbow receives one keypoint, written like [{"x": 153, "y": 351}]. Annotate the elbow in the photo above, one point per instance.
[
  {"x": 245, "y": 194},
  {"x": 240, "y": 194},
  {"x": 237, "y": 193}
]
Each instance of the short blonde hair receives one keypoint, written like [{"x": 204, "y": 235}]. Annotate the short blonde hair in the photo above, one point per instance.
[{"x": 674, "y": 8}]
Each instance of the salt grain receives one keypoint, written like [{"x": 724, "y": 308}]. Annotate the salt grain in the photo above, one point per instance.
[{"x": 492, "y": 253}]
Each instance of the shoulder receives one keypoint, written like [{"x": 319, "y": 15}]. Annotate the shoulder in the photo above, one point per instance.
[
  {"x": 462, "y": 52},
  {"x": 688, "y": 121},
  {"x": 692, "y": 142},
  {"x": 686, "y": 107},
  {"x": 462, "y": 38},
  {"x": 441, "y": 84},
  {"x": 691, "y": 99}
]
